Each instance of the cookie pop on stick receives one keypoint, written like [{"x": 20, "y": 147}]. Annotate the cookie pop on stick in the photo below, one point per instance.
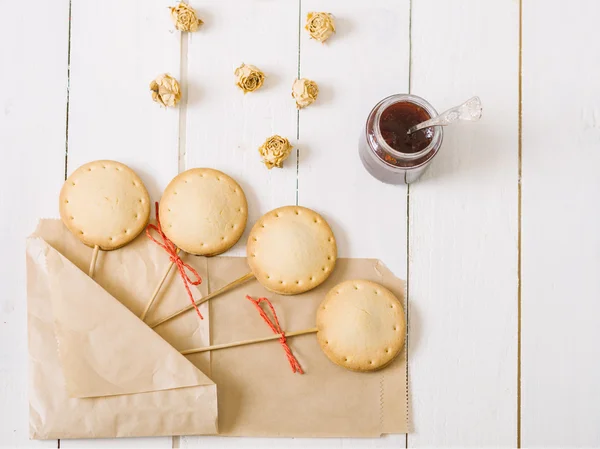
[
  {"x": 290, "y": 250},
  {"x": 105, "y": 205},
  {"x": 202, "y": 212},
  {"x": 360, "y": 326}
]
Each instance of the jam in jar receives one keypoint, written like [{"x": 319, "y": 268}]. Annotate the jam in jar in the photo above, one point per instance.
[{"x": 386, "y": 149}]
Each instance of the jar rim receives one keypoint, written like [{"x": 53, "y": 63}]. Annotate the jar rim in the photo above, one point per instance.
[{"x": 406, "y": 98}]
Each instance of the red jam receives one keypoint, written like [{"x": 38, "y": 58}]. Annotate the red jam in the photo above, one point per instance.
[
  {"x": 395, "y": 122},
  {"x": 387, "y": 151}
]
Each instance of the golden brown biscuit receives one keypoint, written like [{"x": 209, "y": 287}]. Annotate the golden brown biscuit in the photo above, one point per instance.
[
  {"x": 104, "y": 203},
  {"x": 361, "y": 325},
  {"x": 203, "y": 211},
  {"x": 291, "y": 250}
]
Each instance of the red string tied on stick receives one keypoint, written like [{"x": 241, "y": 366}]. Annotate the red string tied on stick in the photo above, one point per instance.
[
  {"x": 276, "y": 328},
  {"x": 171, "y": 250}
]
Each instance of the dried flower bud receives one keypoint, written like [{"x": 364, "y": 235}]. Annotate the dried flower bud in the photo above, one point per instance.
[
  {"x": 249, "y": 78},
  {"x": 320, "y": 25},
  {"x": 305, "y": 92},
  {"x": 184, "y": 17},
  {"x": 165, "y": 90},
  {"x": 274, "y": 151}
]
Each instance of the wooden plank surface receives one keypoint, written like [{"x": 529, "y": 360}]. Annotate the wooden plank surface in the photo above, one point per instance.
[
  {"x": 367, "y": 216},
  {"x": 32, "y": 166},
  {"x": 561, "y": 243},
  {"x": 326, "y": 152},
  {"x": 111, "y": 113},
  {"x": 224, "y": 127},
  {"x": 463, "y": 230},
  {"x": 460, "y": 226}
]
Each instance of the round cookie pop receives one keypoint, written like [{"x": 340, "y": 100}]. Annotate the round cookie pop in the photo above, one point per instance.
[
  {"x": 105, "y": 205},
  {"x": 360, "y": 327},
  {"x": 290, "y": 250},
  {"x": 204, "y": 213}
]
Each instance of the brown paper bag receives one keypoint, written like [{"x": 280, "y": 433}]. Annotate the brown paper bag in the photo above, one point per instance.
[
  {"x": 96, "y": 370},
  {"x": 258, "y": 394}
]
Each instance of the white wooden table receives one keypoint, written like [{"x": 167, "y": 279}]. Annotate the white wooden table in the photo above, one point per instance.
[{"x": 499, "y": 241}]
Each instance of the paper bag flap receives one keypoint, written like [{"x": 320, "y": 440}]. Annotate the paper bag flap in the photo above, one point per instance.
[{"x": 104, "y": 349}]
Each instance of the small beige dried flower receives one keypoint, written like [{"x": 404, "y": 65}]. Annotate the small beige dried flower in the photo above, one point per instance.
[
  {"x": 320, "y": 25},
  {"x": 274, "y": 151},
  {"x": 305, "y": 92},
  {"x": 249, "y": 78},
  {"x": 184, "y": 17},
  {"x": 165, "y": 90}
]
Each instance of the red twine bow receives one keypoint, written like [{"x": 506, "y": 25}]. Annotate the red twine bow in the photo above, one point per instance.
[
  {"x": 171, "y": 250},
  {"x": 276, "y": 328}
]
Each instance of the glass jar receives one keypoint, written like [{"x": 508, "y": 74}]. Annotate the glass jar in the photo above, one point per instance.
[{"x": 385, "y": 148}]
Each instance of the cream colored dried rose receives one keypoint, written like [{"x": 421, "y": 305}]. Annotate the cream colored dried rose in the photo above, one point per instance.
[
  {"x": 305, "y": 92},
  {"x": 320, "y": 25},
  {"x": 185, "y": 18},
  {"x": 249, "y": 78},
  {"x": 274, "y": 151},
  {"x": 165, "y": 90}
]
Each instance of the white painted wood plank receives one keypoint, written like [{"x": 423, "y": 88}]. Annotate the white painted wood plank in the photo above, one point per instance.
[
  {"x": 366, "y": 60},
  {"x": 112, "y": 115},
  {"x": 560, "y": 222},
  {"x": 32, "y": 147},
  {"x": 224, "y": 127},
  {"x": 463, "y": 230},
  {"x": 117, "y": 48},
  {"x": 388, "y": 441}
]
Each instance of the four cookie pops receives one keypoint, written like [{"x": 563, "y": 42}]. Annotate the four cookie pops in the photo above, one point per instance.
[
  {"x": 105, "y": 205},
  {"x": 360, "y": 324},
  {"x": 290, "y": 250}
]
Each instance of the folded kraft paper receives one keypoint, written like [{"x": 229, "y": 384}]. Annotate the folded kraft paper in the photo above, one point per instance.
[{"x": 98, "y": 371}]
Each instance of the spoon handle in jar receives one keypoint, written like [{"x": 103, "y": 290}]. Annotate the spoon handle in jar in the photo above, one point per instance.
[{"x": 469, "y": 111}]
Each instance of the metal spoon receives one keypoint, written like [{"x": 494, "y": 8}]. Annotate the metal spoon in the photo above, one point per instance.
[{"x": 469, "y": 111}]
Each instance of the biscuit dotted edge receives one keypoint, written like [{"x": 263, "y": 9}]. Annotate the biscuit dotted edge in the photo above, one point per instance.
[
  {"x": 287, "y": 287},
  {"x": 227, "y": 241},
  {"x": 346, "y": 361},
  {"x": 68, "y": 217}
]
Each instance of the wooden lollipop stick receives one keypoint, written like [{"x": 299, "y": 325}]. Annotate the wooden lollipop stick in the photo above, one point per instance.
[
  {"x": 249, "y": 342},
  {"x": 157, "y": 289},
  {"x": 93, "y": 262},
  {"x": 228, "y": 287}
]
